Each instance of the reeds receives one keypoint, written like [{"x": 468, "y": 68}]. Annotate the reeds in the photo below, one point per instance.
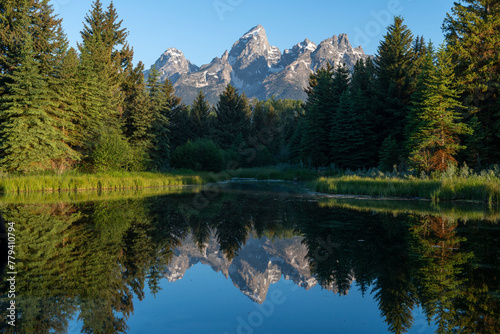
[
  {"x": 476, "y": 188},
  {"x": 100, "y": 181}
]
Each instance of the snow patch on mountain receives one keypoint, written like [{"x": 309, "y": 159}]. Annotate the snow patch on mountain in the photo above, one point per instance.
[{"x": 257, "y": 68}]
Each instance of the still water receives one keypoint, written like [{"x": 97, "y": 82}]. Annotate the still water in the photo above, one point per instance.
[{"x": 249, "y": 258}]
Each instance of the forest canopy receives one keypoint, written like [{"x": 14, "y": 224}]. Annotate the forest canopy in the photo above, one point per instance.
[{"x": 413, "y": 106}]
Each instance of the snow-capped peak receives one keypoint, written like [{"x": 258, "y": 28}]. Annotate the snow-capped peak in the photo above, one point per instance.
[
  {"x": 307, "y": 45},
  {"x": 254, "y": 32},
  {"x": 173, "y": 52}
]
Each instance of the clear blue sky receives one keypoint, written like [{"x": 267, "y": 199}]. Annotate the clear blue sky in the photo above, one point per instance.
[{"x": 204, "y": 29}]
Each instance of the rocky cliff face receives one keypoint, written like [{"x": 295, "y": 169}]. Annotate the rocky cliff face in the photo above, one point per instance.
[
  {"x": 257, "y": 68},
  {"x": 172, "y": 65},
  {"x": 260, "y": 263}
]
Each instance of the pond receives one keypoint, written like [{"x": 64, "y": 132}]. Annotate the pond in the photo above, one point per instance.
[{"x": 248, "y": 257}]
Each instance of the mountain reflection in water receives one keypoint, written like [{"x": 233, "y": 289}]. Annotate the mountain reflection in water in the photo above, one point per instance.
[{"x": 92, "y": 261}]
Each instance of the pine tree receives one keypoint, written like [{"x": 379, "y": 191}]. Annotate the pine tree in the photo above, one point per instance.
[
  {"x": 473, "y": 39},
  {"x": 35, "y": 17},
  {"x": 340, "y": 88},
  {"x": 295, "y": 145},
  {"x": 105, "y": 58},
  {"x": 319, "y": 113},
  {"x": 32, "y": 128},
  {"x": 177, "y": 114},
  {"x": 425, "y": 69},
  {"x": 386, "y": 154},
  {"x": 259, "y": 117},
  {"x": 95, "y": 108},
  {"x": 200, "y": 116},
  {"x": 66, "y": 104},
  {"x": 339, "y": 130},
  {"x": 139, "y": 117},
  {"x": 232, "y": 122},
  {"x": 160, "y": 130},
  {"x": 435, "y": 140},
  {"x": 351, "y": 132},
  {"x": 137, "y": 109},
  {"x": 395, "y": 71},
  {"x": 362, "y": 89}
]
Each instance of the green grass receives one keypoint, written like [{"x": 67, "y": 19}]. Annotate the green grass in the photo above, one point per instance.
[
  {"x": 465, "y": 211},
  {"x": 478, "y": 187},
  {"x": 100, "y": 181},
  {"x": 84, "y": 196},
  {"x": 474, "y": 188}
]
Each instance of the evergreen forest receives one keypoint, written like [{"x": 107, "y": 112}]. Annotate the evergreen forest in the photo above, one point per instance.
[{"x": 413, "y": 106}]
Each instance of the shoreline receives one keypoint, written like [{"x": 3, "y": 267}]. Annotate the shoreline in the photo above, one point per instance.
[{"x": 473, "y": 189}]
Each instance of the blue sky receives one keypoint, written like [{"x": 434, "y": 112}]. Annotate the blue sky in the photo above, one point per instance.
[{"x": 204, "y": 29}]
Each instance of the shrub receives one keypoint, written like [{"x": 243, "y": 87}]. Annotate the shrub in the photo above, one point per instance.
[
  {"x": 112, "y": 152},
  {"x": 200, "y": 155},
  {"x": 262, "y": 158}
]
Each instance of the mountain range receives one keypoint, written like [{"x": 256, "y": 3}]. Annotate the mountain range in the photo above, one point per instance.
[
  {"x": 255, "y": 67},
  {"x": 258, "y": 264}
]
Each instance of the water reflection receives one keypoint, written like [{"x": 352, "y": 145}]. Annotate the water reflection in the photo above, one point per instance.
[{"x": 90, "y": 260}]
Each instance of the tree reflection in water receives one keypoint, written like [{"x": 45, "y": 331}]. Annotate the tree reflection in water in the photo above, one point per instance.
[{"x": 90, "y": 260}]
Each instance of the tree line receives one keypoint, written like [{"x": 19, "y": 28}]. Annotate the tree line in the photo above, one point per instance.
[{"x": 412, "y": 106}]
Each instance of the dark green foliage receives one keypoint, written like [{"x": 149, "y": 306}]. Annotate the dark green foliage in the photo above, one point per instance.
[
  {"x": 232, "y": 123},
  {"x": 102, "y": 76},
  {"x": 32, "y": 128},
  {"x": 199, "y": 116},
  {"x": 434, "y": 140},
  {"x": 388, "y": 154},
  {"x": 139, "y": 118},
  {"x": 295, "y": 145},
  {"x": 157, "y": 123},
  {"x": 372, "y": 116},
  {"x": 34, "y": 18},
  {"x": 199, "y": 155},
  {"x": 350, "y": 132},
  {"x": 337, "y": 120},
  {"x": 425, "y": 69},
  {"x": 274, "y": 123},
  {"x": 395, "y": 72},
  {"x": 363, "y": 115},
  {"x": 473, "y": 40},
  {"x": 177, "y": 115},
  {"x": 265, "y": 130},
  {"x": 474, "y": 143},
  {"x": 112, "y": 152},
  {"x": 319, "y": 112}
]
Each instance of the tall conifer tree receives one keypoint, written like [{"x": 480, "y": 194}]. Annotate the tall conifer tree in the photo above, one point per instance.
[
  {"x": 341, "y": 106},
  {"x": 472, "y": 32},
  {"x": 232, "y": 122},
  {"x": 105, "y": 57},
  {"x": 200, "y": 116},
  {"x": 435, "y": 139},
  {"x": 160, "y": 126},
  {"x": 32, "y": 135},
  {"x": 395, "y": 70},
  {"x": 319, "y": 113}
]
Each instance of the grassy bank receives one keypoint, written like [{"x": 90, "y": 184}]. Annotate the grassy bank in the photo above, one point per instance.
[
  {"x": 478, "y": 187},
  {"x": 99, "y": 181},
  {"x": 473, "y": 188},
  {"x": 134, "y": 180},
  {"x": 74, "y": 197},
  {"x": 465, "y": 211}
]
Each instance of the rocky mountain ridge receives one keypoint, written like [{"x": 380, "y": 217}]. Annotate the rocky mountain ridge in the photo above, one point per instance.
[
  {"x": 259, "y": 263},
  {"x": 256, "y": 68}
]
